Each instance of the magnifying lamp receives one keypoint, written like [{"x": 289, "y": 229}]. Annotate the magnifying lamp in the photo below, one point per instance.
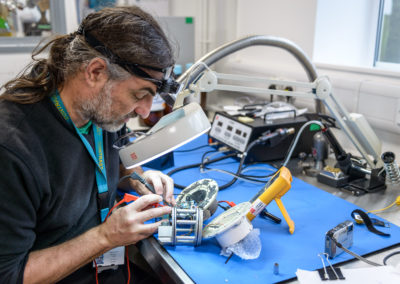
[{"x": 170, "y": 132}]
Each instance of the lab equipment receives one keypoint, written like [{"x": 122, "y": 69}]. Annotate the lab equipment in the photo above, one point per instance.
[
  {"x": 319, "y": 151},
  {"x": 276, "y": 187},
  {"x": 194, "y": 204},
  {"x": 231, "y": 226},
  {"x": 234, "y": 225},
  {"x": 354, "y": 171},
  {"x": 182, "y": 226},
  {"x": 355, "y": 126},
  {"x": 204, "y": 195},
  {"x": 343, "y": 234},
  {"x": 391, "y": 168},
  {"x": 239, "y": 135},
  {"x": 170, "y": 132}
]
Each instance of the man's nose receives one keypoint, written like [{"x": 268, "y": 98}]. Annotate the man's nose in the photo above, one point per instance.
[{"x": 144, "y": 107}]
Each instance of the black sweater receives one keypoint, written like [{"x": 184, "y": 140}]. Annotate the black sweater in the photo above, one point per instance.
[{"x": 48, "y": 191}]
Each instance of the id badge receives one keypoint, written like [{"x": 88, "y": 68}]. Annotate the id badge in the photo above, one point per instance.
[{"x": 111, "y": 259}]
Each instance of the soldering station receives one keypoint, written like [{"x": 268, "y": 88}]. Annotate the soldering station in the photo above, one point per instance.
[{"x": 304, "y": 143}]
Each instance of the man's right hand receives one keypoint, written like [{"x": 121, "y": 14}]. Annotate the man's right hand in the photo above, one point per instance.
[{"x": 127, "y": 225}]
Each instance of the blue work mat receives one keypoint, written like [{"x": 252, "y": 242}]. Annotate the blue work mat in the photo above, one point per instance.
[{"x": 314, "y": 212}]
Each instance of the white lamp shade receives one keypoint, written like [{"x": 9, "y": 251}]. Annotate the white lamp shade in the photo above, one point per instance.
[{"x": 170, "y": 132}]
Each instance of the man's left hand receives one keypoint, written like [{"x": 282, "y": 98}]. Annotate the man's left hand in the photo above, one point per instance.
[{"x": 162, "y": 184}]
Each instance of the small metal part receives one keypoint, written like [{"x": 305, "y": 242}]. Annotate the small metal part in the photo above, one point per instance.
[
  {"x": 391, "y": 168},
  {"x": 229, "y": 257},
  {"x": 276, "y": 268},
  {"x": 267, "y": 215},
  {"x": 183, "y": 227},
  {"x": 325, "y": 274},
  {"x": 330, "y": 264}
]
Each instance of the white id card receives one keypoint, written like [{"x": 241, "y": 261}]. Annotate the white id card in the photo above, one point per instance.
[{"x": 111, "y": 259}]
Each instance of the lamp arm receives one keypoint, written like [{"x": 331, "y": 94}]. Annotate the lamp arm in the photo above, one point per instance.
[
  {"x": 357, "y": 130},
  {"x": 255, "y": 40}
]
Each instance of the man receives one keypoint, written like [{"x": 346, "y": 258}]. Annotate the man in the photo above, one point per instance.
[{"x": 59, "y": 171}]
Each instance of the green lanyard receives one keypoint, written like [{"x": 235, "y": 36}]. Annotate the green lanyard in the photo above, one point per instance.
[{"x": 98, "y": 158}]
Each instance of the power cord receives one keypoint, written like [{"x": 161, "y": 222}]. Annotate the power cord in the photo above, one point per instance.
[
  {"x": 396, "y": 202},
  {"x": 275, "y": 137},
  {"x": 389, "y": 256},
  {"x": 359, "y": 257}
]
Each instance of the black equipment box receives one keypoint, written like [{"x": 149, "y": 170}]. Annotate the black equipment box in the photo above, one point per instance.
[{"x": 238, "y": 135}]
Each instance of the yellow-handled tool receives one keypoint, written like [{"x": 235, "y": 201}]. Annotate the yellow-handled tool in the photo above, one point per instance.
[{"x": 276, "y": 187}]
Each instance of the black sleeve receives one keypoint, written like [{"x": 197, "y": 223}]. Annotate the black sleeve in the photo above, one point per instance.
[{"x": 19, "y": 201}]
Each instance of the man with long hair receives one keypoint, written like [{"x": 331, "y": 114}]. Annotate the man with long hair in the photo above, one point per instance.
[{"x": 59, "y": 171}]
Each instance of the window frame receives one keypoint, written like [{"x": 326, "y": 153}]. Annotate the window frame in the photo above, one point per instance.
[{"x": 27, "y": 44}]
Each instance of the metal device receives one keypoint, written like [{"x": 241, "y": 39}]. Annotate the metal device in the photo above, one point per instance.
[
  {"x": 239, "y": 135},
  {"x": 183, "y": 226},
  {"x": 391, "y": 168},
  {"x": 319, "y": 150},
  {"x": 276, "y": 187},
  {"x": 231, "y": 226},
  {"x": 355, "y": 126},
  {"x": 196, "y": 203},
  {"x": 203, "y": 193},
  {"x": 343, "y": 234},
  {"x": 234, "y": 225}
]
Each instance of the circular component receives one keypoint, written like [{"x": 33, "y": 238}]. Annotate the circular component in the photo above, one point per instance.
[
  {"x": 388, "y": 157},
  {"x": 203, "y": 193},
  {"x": 227, "y": 220}
]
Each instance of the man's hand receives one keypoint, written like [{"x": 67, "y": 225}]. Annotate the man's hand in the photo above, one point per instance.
[
  {"x": 127, "y": 225},
  {"x": 162, "y": 184}
]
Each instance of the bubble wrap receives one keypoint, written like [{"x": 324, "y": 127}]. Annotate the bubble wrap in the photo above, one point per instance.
[{"x": 248, "y": 248}]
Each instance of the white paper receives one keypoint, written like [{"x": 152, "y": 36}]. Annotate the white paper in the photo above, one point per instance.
[{"x": 367, "y": 275}]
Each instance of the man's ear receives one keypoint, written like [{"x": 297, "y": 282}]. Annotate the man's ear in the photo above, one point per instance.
[{"x": 96, "y": 72}]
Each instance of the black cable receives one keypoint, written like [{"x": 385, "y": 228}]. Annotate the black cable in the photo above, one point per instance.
[
  {"x": 389, "y": 256},
  {"x": 359, "y": 257},
  {"x": 190, "y": 150},
  {"x": 241, "y": 176},
  {"x": 238, "y": 175},
  {"x": 258, "y": 163},
  {"x": 203, "y": 163},
  {"x": 204, "y": 155},
  {"x": 196, "y": 165}
]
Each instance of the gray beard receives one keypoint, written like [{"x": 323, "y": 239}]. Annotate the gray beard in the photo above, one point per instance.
[{"x": 99, "y": 110}]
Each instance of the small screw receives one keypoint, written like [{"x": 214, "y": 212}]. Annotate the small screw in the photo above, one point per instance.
[{"x": 276, "y": 268}]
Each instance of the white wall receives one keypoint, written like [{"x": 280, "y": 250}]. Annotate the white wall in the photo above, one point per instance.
[{"x": 374, "y": 93}]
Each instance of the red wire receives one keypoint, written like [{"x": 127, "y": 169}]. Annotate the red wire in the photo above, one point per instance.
[
  {"x": 230, "y": 203},
  {"x": 127, "y": 198},
  {"x": 127, "y": 265},
  {"x": 97, "y": 275}
]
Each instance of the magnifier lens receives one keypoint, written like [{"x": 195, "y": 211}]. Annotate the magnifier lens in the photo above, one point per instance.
[{"x": 127, "y": 139}]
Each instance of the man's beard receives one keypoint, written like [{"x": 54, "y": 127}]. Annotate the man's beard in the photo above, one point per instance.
[{"x": 99, "y": 110}]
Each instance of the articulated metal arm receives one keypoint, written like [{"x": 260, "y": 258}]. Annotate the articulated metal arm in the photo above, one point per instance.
[
  {"x": 256, "y": 40},
  {"x": 355, "y": 126}
]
